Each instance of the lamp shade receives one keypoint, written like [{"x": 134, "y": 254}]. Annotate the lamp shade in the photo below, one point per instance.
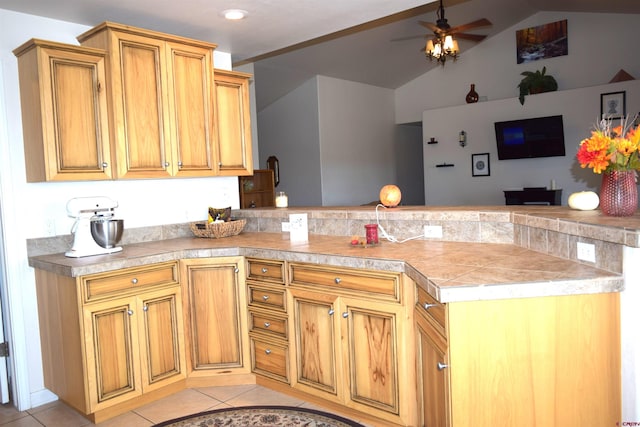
[{"x": 390, "y": 196}]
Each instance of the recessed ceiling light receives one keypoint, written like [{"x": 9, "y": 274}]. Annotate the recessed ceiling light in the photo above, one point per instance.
[{"x": 234, "y": 14}]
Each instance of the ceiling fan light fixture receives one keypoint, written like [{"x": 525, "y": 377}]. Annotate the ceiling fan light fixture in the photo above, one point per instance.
[{"x": 440, "y": 48}]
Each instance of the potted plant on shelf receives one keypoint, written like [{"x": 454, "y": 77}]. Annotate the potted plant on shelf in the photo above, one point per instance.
[{"x": 536, "y": 82}]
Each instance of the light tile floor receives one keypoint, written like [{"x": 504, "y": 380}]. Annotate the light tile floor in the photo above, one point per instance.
[{"x": 185, "y": 402}]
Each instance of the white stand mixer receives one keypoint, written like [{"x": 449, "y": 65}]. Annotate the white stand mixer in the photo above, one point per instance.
[{"x": 83, "y": 209}]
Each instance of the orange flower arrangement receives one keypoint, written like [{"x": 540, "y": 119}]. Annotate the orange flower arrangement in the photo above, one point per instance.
[{"x": 611, "y": 148}]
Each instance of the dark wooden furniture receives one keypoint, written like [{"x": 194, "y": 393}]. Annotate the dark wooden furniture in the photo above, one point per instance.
[
  {"x": 533, "y": 196},
  {"x": 258, "y": 190}
]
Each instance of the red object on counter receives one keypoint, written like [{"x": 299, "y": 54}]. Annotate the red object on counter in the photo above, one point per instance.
[{"x": 372, "y": 233}]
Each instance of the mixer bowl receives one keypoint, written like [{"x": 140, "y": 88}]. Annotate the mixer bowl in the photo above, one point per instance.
[{"x": 107, "y": 232}]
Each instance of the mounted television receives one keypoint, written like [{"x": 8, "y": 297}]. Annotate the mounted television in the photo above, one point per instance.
[{"x": 529, "y": 138}]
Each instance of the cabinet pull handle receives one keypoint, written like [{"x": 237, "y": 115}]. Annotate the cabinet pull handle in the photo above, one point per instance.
[
  {"x": 264, "y": 270},
  {"x": 331, "y": 311},
  {"x": 337, "y": 280},
  {"x": 267, "y": 351},
  {"x": 265, "y": 297},
  {"x": 267, "y": 324},
  {"x": 134, "y": 281},
  {"x": 427, "y": 306},
  {"x": 130, "y": 312},
  {"x": 442, "y": 366},
  {"x": 345, "y": 314}
]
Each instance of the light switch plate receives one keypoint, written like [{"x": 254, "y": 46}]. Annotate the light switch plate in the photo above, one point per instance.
[{"x": 586, "y": 252}]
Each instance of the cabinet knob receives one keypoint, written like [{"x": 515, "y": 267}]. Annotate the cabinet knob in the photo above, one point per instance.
[
  {"x": 145, "y": 308},
  {"x": 134, "y": 281},
  {"x": 264, "y": 270},
  {"x": 427, "y": 306},
  {"x": 130, "y": 312},
  {"x": 219, "y": 164},
  {"x": 265, "y": 297},
  {"x": 236, "y": 270},
  {"x": 105, "y": 165},
  {"x": 179, "y": 164},
  {"x": 345, "y": 314},
  {"x": 331, "y": 311},
  {"x": 267, "y": 351},
  {"x": 166, "y": 164},
  {"x": 267, "y": 324},
  {"x": 442, "y": 366},
  {"x": 337, "y": 280}
]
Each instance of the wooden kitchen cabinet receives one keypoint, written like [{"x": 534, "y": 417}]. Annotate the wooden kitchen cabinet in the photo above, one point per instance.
[
  {"x": 233, "y": 123},
  {"x": 161, "y": 101},
  {"x": 432, "y": 357},
  {"x": 518, "y": 361},
  {"x": 351, "y": 344},
  {"x": 111, "y": 338},
  {"x": 215, "y": 320},
  {"x": 268, "y": 319},
  {"x": 65, "y": 122}
]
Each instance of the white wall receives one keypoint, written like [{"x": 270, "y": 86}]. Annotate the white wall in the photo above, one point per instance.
[
  {"x": 580, "y": 109},
  {"x": 38, "y": 210},
  {"x": 288, "y": 129},
  {"x": 356, "y": 141},
  {"x": 599, "y": 46}
]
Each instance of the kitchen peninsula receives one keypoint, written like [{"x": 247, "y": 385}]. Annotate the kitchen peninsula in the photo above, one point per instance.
[{"x": 496, "y": 323}]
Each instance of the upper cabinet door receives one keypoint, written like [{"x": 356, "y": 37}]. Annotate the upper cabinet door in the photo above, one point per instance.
[
  {"x": 190, "y": 89},
  {"x": 64, "y": 112},
  {"x": 141, "y": 120},
  {"x": 233, "y": 123}
]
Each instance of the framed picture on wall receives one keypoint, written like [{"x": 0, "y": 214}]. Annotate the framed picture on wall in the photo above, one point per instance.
[
  {"x": 612, "y": 105},
  {"x": 480, "y": 164}
]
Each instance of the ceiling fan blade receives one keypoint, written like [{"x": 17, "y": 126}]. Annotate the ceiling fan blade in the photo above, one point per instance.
[
  {"x": 430, "y": 25},
  {"x": 401, "y": 39},
  {"x": 475, "y": 24},
  {"x": 472, "y": 37}
]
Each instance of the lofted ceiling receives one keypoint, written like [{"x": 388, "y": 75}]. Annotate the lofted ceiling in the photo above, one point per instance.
[{"x": 291, "y": 40}]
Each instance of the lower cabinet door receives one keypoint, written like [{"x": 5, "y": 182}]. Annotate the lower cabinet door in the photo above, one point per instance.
[
  {"x": 162, "y": 347},
  {"x": 432, "y": 375},
  {"x": 215, "y": 304},
  {"x": 372, "y": 355},
  {"x": 317, "y": 334},
  {"x": 113, "y": 371}
]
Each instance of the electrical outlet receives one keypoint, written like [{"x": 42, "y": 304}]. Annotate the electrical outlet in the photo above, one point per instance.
[
  {"x": 286, "y": 227},
  {"x": 586, "y": 252},
  {"x": 433, "y": 231}
]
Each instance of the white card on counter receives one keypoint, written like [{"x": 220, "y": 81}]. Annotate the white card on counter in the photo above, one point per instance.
[{"x": 298, "y": 228}]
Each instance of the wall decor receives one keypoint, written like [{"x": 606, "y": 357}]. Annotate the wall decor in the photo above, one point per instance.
[
  {"x": 480, "y": 164},
  {"x": 613, "y": 105},
  {"x": 542, "y": 41}
]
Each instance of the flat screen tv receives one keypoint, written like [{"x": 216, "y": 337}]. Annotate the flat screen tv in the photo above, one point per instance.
[{"x": 529, "y": 138}]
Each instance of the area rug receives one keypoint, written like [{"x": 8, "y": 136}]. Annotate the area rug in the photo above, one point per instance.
[{"x": 261, "y": 416}]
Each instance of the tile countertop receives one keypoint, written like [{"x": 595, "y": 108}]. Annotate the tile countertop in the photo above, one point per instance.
[{"x": 449, "y": 271}]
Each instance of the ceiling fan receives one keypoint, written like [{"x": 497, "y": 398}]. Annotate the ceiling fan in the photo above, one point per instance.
[
  {"x": 442, "y": 28},
  {"x": 444, "y": 44}
]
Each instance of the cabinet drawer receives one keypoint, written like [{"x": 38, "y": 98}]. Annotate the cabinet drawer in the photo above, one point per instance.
[
  {"x": 103, "y": 285},
  {"x": 432, "y": 310},
  {"x": 373, "y": 282},
  {"x": 265, "y": 270},
  {"x": 267, "y": 298},
  {"x": 265, "y": 323},
  {"x": 270, "y": 359}
]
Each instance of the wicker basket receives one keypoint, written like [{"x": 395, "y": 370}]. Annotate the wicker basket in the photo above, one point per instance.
[{"x": 216, "y": 230}]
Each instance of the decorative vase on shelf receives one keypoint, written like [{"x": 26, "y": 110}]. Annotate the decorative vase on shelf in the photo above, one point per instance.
[
  {"x": 619, "y": 193},
  {"x": 472, "y": 96}
]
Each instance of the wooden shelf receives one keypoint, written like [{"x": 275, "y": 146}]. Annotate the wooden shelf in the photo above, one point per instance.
[{"x": 258, "y": 190}]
